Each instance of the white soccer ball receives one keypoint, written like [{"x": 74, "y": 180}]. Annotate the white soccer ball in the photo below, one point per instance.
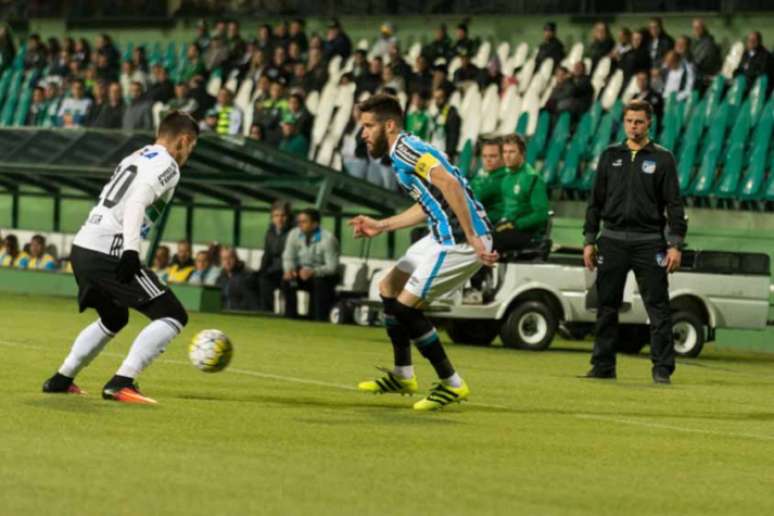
[{"x": 210, "y": 351}]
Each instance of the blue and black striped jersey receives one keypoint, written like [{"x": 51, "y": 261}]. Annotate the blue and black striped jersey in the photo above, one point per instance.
[{"x": 412, "y": 160}]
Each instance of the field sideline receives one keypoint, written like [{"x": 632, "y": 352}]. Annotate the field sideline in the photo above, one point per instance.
[{"x": 284, "y": 432}]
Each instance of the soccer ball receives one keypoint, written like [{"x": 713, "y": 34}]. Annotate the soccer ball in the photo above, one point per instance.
[{"x": 210, "y": 351}]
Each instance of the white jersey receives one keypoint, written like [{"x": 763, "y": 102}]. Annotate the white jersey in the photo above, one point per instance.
[{"x": 149, "y": 173}]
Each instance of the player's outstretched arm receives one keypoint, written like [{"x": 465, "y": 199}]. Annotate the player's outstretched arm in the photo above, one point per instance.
[
  {"x": 455, "y": 196},
  {"x": 364, "y": 226}
]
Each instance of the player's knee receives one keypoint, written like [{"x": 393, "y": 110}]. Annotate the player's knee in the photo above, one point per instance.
[
  {"x": 114, "y": 320},
  {"x": 167, "y": 307},
  {"x": 385, "y": 288},
  {"x": 413, "y": 320}
]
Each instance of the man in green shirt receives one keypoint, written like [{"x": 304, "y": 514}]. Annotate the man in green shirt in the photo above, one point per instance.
[
  {"x": 525, "y": 199},
  {"x": 418, "y": 119},
  {"x": 293, "y": 142},
  {"x": 487, "y": 184}
]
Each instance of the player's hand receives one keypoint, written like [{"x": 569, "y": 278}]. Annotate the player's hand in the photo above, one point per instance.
[
  {"x": 590, "y": 256},
  {"x": 305, "y": 273},
  {"x": 364, "y": 226},
  {"x": 673, "y": 259},
  {"x": 128, "y": 266},
  {"x": 487, "y": 257}
]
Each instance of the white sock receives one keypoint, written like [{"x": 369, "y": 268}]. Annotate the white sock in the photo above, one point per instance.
[
  {"x": 87, "y": 345},
  {"x": 150, "y": 343},
  {"x": 404, "y": 371},
  {"x": 454, "y": 380}
]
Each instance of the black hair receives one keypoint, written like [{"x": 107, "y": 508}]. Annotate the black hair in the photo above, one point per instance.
[
  {"x": 312, "y": 213},
  {"x": 176, "y": 123},
  {"x": 384, "y": 107}
]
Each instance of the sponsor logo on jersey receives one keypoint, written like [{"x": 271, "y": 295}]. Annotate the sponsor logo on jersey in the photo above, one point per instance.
[
  {"x": 168, "y": 175},
  {"x": 618, "y": 162},
  {"x": 648, "y": 166}
]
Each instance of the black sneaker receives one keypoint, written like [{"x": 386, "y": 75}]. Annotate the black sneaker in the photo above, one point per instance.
[
  {"x": 661, "y": 377},
  {"x": 600, "y": 374}
]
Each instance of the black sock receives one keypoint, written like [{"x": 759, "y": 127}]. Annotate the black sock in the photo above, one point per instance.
[
  {"x": 434, "y": 352},
  {"x": 401, "y": 343},
  {"x": 419, "y": 329},
  {"x": 119, "y": 382}
]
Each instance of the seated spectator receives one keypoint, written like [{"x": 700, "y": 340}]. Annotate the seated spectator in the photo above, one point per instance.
[
  {"x": 36, "y": 116},
  {"x": 635, "y": 60},
  {"x": 264, "y": 41},
  {"x": 11, "y": 254},
  {"x": 706, "y": 53},
  {"x": 205, "y": 273},
  {"x": 100, "y": 96},
  {"x": 316, "y": 71},
  {"x": 73, "y": 110},
  {"x": 525, "y": 199},
  {"x": 37, "y": 259},
  {"x": 229, "y": 116},
  {"x": 371, "y": 81},
  {"x": 104, "y": 45},
  {"x": 354, "y": 152},
  {"x": 422, "y": 79},
  {"x": 130, "y": 74},
  {"x": 417, "y": 118},
  {"x": 182, "y": 101},
  {"x": 193, "y": 64},
  {"x": 678, "y": 76},
  {"x": 467, "y": 70},
  {"x": 53, "y": 102},
  {"x": 487, "y": 183},
  {"x": 236, "y": 47},
  {"x": 400, "y": 68},
  {"x": 463, "y": 44},
  {"x": 209, "y": 124},
  {"x": 337, "y": 43},
  {"x": 204, "y": 101},
  {"x": 755, "y": 60},
  {"x": 440, "y": 47},
  {"x": 293, "y": 142},
  {"x": 82, "y": 52},
  {"x": 359, "y": 63},
  {"x": 278, "y": 66},
  {"x": 202, "y": 39},
  {"x": 445, "y": 130},
  {"x": 60, "y": 64},
  {"x": 583, "y": 91},
  {"x": 491, "y": 75},
  {"x": 297, "y": 35},
  {"x": 602, "y": 43},
  {"x": 441, "y": 79},
  {"x": 216, "y": 54},
  {"x": 660, "y": 42},
  {"x": 111, "y": 112},
  {"x": 561, "y": 95},
  {"x": 161, "y": 89},
  {"x": 298, "y": 110},
  {"x": 381, "y": 47},
  {"x": 310, "y": 262},
  {"x": 551, "y": 47},
  {"x": 270, "y": 271},
  {"x": 683, "y": 49},
  {"x": 298, "y": 77},
  {"x": 104, "y": 69},
  {"x": 161, "y": 263},
  {"x": 648, "y": 94},
  {"x": 182, "y": 264},
  {"x": 270, "y": 112},
  {"x": 36, "y": 55},
  {"x": 572, "y": 93},
  {"x": 236, "y": 290},
  {"x": 137, "y": 114},
  {"x": 256, "y": 133}
]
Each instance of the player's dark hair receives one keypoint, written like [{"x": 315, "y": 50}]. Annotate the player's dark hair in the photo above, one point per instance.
[
  {"x": 515, "y": 139},
  {"x": 639, "y": 105},
  {"x": 489, "y": 141},
  {"x": 177, "y": 123},
  {"x": 11, "y": 244},
  {"x": 383, "y": 107},
  {"x": 313, "y": 214},
  {"x": 39, "y": 239}
]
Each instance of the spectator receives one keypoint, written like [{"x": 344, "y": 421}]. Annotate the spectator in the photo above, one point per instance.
[
  {"x": 602, "y": 43},
  {"x": 551, "y": 47},
  {"x": 310, "y": 262},
  {"x": 683, "y": 49},
  {"x": 182, "y": 264},
  {"x": 422, "y": 80},
  {"x": 445, "y": 130},
  {"x": 270, "y": 271},
  {"x": 111, "y": 113},
  {"x": 137, "y": 114},
  {"x": 60, "y": 64},
  {"x": 624, "y": 44},
  {"x": 487, "y": 184},
  {"x": 337, "y": 43},
  {"x": 216, "y": 55},
  {"x": 660, "y": 42},
  {"x": 440, "y": 79},
  {"x": 104, "y": 71},
  {"x": 294, "y": 55},
  {"x": 706, "y": 53},
  {"x": 10, "y": 253},
  {"x": 130, "y": 74},
  {"x": 205, "y": 273},
  {"x": 399, "y": 66},
  {"x": 100, "y": 97},
  {"x": 161, "y": 263},
  {"x": 258, "y": 65},
  {"x": 467, "y": 70},
  {"x": 183, "y": 101},
  {"x": 278, "y": 67},
  {"x": 463, "y": 44},
  {"x": 53, "y": 101},
  {"x": 256, "y": 133},
  {"x": 37, "y": 259},
  {"x": 161, "y": 90},
  {"x": 82, "y": 53},
  {"x": 583, "y": 91},
  {"x": 139, "y": 59},
  {"x": 755, "y": 60},
  {"x": 73, "y": 110},
  {"x": 36, "y": 116},
  {"x": 491, "y": 75},
  {"x": 234, "y": 281},
  {"x": 7, "y": 47},
  {"x": 316, "y": 71},
  {"x": 264, "y": 41},
  {"x": 359, "y": 64},
  {"x": 391, "y": 80},
  {"x": 281, "y": 38},
  {"x": 635, "y": 60},
  {"x": 193, "y": 65},
  {"x": 202, "y": 39},
  {"x": 648, "y": 94},
  {"x": 297, "y": 34},
  {"x": 678, "y": 76},
  {"x": 209, "y": 124},
  {"x": 36, "y": 55},
  {"x": 229, "y": 116},
  {"x": 293, "y": 142},
  {"x": 657, "y": 80},
  {"x": 354, "y": 153},
  {"x": 562, "y": 93},
  {"x": 418, "y": 119},
  {"x": 440, "y": 47},
  {"x": 381, "y": 47},
  {"x": 372, "y": 80},
  {"x": 104, "y": 45},
  {"x": 236, "y": 47},
  {"x": 204, "y": 101},
  {"x": 270, "y": 112},
  {"x": 303, "y": 118}
]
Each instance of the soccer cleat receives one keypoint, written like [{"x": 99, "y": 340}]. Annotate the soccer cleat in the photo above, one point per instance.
[
  {"x": 661, "y": 377},
  {"x": 600, "y": 374},
  {"x": 389, "y": 384},
  {"x": 441, "y": 395},
  {"x": 59, "y": 384},
  {"x": 130, "y": 395}
]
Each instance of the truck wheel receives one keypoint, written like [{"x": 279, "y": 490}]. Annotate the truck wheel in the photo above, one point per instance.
[
  {"x": 632, "y": 338},
  {"x": 472, "y": 331},
  {"x": 688, "y": 334},
  {"x": 362, "y": 315},
  {"x": 531, "y": 326},
  {"x": 341, "y": 313}
]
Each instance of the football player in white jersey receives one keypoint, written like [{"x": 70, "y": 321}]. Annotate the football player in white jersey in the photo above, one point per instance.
[{"x": 106, "y": 262}]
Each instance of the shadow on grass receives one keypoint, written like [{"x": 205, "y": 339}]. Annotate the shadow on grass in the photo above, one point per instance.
[{"x": 70, "y": 403}]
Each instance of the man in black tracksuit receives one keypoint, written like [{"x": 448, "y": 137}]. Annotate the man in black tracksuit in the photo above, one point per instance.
[{"x": 635, "y": 195}]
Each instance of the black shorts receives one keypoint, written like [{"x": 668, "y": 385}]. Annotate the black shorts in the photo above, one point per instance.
[{"x": 95, "y": 273}]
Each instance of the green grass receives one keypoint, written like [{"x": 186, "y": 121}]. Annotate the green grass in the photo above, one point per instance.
[{"x": 263, "y": 437}]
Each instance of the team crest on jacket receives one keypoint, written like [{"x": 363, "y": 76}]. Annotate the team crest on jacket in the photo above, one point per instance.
[
  {"x": 648, "y": 166},
  {"x": 517, "y": 189}
]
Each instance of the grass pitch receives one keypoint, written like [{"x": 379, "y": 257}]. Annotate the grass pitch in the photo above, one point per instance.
[{"x": 283, "y": 431}]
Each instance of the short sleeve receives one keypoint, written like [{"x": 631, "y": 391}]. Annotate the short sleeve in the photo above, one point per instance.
[{"x": 425, "y": 164}]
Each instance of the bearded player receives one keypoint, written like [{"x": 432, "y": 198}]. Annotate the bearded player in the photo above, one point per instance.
[
  {"x": 458, "y": 244},
  {"x": 106, "y": 262}
]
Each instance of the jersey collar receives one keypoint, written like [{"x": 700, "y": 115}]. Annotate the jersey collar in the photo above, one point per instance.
[{"x": 401, "y": 135}]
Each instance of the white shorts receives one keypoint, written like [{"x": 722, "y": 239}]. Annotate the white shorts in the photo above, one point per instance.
[{"x": 439, "y": 269}]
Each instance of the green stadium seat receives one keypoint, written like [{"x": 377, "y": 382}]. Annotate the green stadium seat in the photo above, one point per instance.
[
  {"x": 127, "y": 55},
  {"x": 601, "y": 142},
  {"x": 9, "y": 106},
  {"x": 5, "y": 83},
  {"x": 735, "y": 97},
  {"x": 757, "y": 98},
  {"x": 156, "y": 55},
  {"x": 728, "y": 183},
  {"x": 20, "y": 116},
  {"x": 18, "y": 62},
  {"x": 465, "y": 159},
  {"x": 170, "y": 58},
  {"x": 705, "y": 178},
  {"x": 576, "y": 151},
  {"x": 556, "y": 147},
  {"x": 537, "y": 143},
  {"x": 712, "y": 98},
  {"x": 686, "y": 156},
  {"x": 596, "y": 115},
  {"x": 521, "y": 125},
  {"x": 752, "y": 183}
]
